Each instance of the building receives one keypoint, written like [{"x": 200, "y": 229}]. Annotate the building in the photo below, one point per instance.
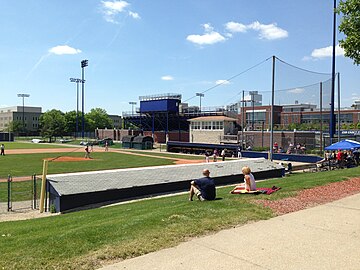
[
  {"x": 117, "y": 121},
  {"x": 211, "y": 129},
  {"x": 29, "y": 118},
  {"x": 356, "y": 105},
  {"x": 259, "y": 117}
]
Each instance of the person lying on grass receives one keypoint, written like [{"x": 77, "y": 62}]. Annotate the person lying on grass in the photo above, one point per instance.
[
  {"x": 249, "y": 180},
  {"x": 203, "y": 188}
]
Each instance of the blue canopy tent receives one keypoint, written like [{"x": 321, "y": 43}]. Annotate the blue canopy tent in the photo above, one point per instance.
[{"x": 344, "y": 145}]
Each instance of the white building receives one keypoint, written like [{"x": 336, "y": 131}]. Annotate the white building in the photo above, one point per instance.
[
  {"x": 29, "y": 117},
  {"x": 210, "y": 129}
]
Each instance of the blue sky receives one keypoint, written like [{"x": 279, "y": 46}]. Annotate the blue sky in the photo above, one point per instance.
[{"x": 138, "y": 48}]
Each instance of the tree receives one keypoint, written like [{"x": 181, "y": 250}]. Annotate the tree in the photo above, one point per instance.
[
  {"x": 14, "y": 126},
  {"x": 70, "y": 122},
  {"x": 52, "y": 124},
  {"x": 98, "y": 118},
  {"x": 350, "y": 26}
]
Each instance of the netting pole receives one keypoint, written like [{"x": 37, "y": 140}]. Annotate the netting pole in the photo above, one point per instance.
[
  {"x": 321, "y": 120},
  {"x": 34, "y": 191},
  {"x": 43, "y": 185},
  {"x": 9, "y": 204},
  {"x": 243, "y": 120},
  {"x": 338, "y": 106},
  {"x": 272, "y": 109},
  {"x": 332, "y": 114}
]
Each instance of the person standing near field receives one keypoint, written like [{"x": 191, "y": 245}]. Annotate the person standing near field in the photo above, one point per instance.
[
  {"x": 87, "y": 152},
  {"x": 106, "y": 146},
  {"x": 2, "y": 149}
]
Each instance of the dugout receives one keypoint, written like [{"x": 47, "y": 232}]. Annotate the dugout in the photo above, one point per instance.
[
  {"x": 143, "y": 142},
  {"x": 127, "y": 141},
  {"x": 73, "y": 190}
]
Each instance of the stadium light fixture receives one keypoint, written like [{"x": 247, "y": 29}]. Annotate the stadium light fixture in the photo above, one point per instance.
[
  {"x": 23, "y": 96},
  {"x": 200, "y": 95},
  {"x": 77, "y": 81},
  {"x": 132, "y": 103},
  {"x": 84, "y": 64}
]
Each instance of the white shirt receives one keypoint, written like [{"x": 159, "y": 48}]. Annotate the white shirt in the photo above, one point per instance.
[{"x": 252, "y": 183}]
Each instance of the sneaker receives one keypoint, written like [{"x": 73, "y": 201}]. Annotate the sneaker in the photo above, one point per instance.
[{"x": 200, "y": 198}]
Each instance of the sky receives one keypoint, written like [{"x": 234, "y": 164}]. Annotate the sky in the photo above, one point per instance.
[{"x": 137, "y": 48}]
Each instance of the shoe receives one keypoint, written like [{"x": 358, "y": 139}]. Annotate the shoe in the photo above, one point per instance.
[{"x": 200, "y": 198}]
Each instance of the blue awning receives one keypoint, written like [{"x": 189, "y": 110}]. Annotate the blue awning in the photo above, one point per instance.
[{"x": 344, "y": 145}]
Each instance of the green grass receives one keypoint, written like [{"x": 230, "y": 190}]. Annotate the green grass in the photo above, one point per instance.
[
  {"x": 29, "y": 145},
  {"x": 29, "y": 164},
  {"x": 86, "y": 239}
]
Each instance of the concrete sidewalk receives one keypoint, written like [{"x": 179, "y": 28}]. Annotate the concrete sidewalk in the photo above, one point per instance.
[{"x": 323, "y": 237}]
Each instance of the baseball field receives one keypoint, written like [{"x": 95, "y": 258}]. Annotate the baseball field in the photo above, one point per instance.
[{"x": 92, "y": 238}]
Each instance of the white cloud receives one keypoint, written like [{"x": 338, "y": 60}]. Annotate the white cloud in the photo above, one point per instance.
[
  {"x": 296, "y": 91},
  {"x": 266, "y": 31},
  {"x": 235, "y": 27},
  {"x": 208, "y": 38},
  {"x": 64, "y": 49},
  {"x": 327, "y": 52},
  {"x": 167, "y": 78},
  {"x": 222, "y": 82},
  {"x": 111, "y": 9},
  {"x": 134, "y": 15}
]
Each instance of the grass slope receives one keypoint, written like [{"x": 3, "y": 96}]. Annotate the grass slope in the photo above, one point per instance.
[{"x": 89, "y": 238}]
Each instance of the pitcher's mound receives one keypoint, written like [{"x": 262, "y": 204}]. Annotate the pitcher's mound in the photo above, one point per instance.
[{"x": 68, "y": 159}]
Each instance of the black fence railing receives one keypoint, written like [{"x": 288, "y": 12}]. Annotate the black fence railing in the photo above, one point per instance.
[{"x": 23, "y": 194}]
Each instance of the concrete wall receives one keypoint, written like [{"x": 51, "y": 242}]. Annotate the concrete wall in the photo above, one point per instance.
[{"x": 205, "y": 136}]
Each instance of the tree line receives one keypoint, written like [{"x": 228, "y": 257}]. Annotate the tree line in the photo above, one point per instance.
[{"x": 55, "y": 123}]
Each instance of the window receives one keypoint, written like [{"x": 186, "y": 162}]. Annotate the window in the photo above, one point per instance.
[
  {"x": 195, "y": 125},
  {"x": 218, "y": 125},
  {"x": 206, "y": 125}
]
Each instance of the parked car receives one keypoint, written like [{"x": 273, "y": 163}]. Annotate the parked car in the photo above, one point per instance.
[
  {"x": 37, "y": 141},
  {"x": 64, "y": 140},
  {"x": 84, "y": 143}
]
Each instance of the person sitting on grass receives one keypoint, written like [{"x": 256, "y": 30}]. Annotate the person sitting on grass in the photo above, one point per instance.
[
  {"x": 249, "y": 181},
  {"x": 203, "y": 188}
]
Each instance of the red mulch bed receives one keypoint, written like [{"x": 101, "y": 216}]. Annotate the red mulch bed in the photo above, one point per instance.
[{"x": 314, "y": 196}]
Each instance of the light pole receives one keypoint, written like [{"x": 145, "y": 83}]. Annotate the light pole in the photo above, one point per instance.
[
  {"x": 23, "y": 96},
  {"x": 84, "y": 64},
  {"x": 200, "y": 95},
  {"x": 77, "y": 81},
  {"x": 132, "y": 103}
]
